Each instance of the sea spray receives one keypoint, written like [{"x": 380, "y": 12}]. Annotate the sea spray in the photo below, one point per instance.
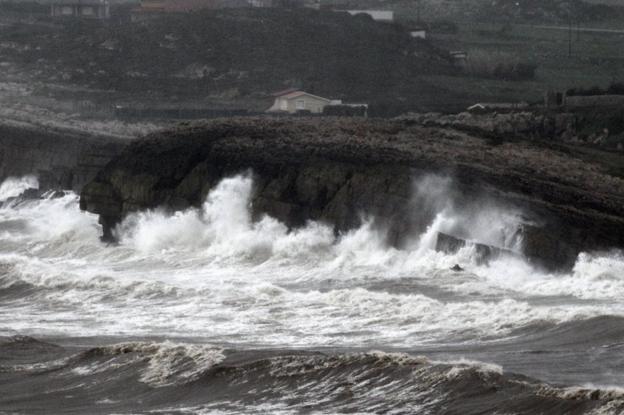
[
  {"x": 15, "y": 186},
  {"x": 222, "y": 228},
  {"x": 438, "y": 206},
  {"x": 215, "y": 272}
]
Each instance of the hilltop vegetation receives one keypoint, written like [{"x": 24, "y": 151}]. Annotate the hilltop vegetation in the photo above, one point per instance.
[
  {"x": 234, "y": 59},
  {"x": 527, "y": 11},
  {"x": 235, "y": 54}
]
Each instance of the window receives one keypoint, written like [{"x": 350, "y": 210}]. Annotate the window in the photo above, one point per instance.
[
  {"x": 88, "y": 11},
  {"x": 300, "y": 104},
  {"x": 67, "y": 10}
]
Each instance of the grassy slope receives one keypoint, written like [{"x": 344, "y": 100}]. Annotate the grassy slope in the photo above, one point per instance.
[
  {"x": 597, "y": 59},
  {"x": 254, "y": 52},
  {"x": 246, "y": 53}
]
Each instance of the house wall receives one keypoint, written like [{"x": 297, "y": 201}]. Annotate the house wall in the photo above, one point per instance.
[
  {"x": 99, "y": 11},
  {"x": 418, "y": 34},
  {"x": 63, "y": 10},
  {"x": 378, "y": 15},
  {"x": 310, "y": 103},
  {"x": 306, "y": 103}
]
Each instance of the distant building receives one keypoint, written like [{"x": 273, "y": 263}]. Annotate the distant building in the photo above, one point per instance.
[
  {"x": 312, "y": 4},
  {"x": 459, "y": 58},
  {"x": 483, "y": 107},
  {"x": 386, "y": 16},
  {"x": 287, "y": 4},
  {"x": 553, "y": 100},
  {"x": 155, "y": 8},
  {"x": 261, "y": 3},
  {"x": 292, "y": 101},
  {"x": 418, "y": 33},
  {"x": 89, "y": 9}
]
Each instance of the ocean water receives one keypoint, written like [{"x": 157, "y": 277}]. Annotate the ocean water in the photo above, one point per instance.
[{"x": 206, "y": 311}]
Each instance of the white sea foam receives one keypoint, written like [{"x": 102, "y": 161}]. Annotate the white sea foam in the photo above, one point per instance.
[
  {"x": 164, "y": 363},
  {"x": 462, "y": 365},
  {"x": 171, "y": 363},
  {"x": 15, "y": 186},
  {"x": 481, "y": 220},
  {"x": 217, "y": 274},
  {"x": 210, "y": 233}
]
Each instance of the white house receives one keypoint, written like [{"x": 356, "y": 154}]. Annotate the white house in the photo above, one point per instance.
[
  {"x": 292, "y": 101},
  {"x": 377, "y": 15},
  {"x": 482, "y": 107},
  {"x": 418, "y": 33}
]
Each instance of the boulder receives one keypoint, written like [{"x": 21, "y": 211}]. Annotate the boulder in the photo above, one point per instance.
[{"x": 484, "y": 253}]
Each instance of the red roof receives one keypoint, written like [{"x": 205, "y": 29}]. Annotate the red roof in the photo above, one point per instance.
[
  {"x": 294, "y": 94},
  {"x": 168, "y": 6},
  {"x": 285, "y": 92},
  {"x": 297, "y": 93}
]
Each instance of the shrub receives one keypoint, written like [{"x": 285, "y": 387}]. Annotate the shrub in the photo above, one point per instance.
[
  {"x": 499, "y": 66},
  {"x": 27, "y": 7},
  {"x": 344, "y": 111},
  {"x": 616, "y": 88},
  {"x": 444, "y": 26}
]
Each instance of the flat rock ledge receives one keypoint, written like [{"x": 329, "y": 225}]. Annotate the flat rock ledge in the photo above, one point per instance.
[{"x": 335, "y": 170}]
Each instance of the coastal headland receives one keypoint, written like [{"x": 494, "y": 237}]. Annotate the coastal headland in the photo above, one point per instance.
[{"x": 339, "y": 171}]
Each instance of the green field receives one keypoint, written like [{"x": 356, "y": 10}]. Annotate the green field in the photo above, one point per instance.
[{"x": 597, "y": 59}]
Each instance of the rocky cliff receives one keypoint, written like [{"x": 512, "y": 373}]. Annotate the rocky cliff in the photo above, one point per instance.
[
  {"x": 60, "y": 159},
  {"x": 334, "y": 170}
]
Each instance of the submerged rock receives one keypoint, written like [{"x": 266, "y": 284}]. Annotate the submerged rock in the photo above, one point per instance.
[
  {"x": 26, "y": 196},
  {"x": 484, "y": 253}
]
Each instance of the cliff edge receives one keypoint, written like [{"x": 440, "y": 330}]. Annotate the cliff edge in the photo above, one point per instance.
[
  {"x": 60, "y": 158},
  {"x": 335, "y": 170}
]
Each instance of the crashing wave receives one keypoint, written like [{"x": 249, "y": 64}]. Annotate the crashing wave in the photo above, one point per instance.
[
  {"x": 167, "y": 363},
  {"x": 15, "y": 186}
]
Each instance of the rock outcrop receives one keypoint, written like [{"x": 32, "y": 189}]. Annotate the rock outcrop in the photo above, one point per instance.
[
  {"x": 580, "y": 125},
  {"x": 484, "y": 253},
  {"x": 335, "y": 170},
  {"x": 61, "y": 160}
]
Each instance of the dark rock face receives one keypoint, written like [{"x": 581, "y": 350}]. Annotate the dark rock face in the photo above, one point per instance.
[
  {"x": 335, "y": 170},
  {"x": 537, "y": 241},
  {"x": 61, "y": 160},
  {"x": 485, "y": 253},
  {"x": 578, "y": 125}
]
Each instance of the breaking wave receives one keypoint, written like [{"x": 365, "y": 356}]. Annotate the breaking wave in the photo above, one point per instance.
[
  {"x": 183, "y": 378},
  {"x": 15, "y": 186},
  {"x": 267, "y": 284},
  {"x": 251, "y": 288}
]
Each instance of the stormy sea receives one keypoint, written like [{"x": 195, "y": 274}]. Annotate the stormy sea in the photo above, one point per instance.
[{"x": 206, "y": 311}]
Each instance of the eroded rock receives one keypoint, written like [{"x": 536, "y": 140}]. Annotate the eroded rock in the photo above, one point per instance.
[{"x": 340, "y": 170}]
